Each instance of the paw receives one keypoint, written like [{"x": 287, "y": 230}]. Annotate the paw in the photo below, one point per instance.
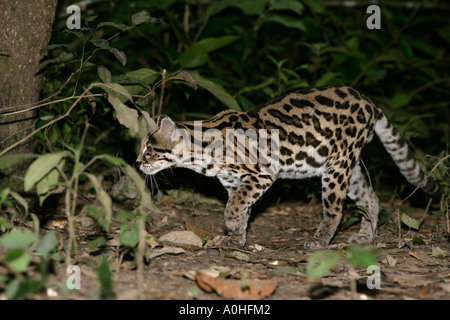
[
  {"x": 315, "y": 244},
  {"x": 232, "y": 241},
  {"x": 359, "y": 238}
]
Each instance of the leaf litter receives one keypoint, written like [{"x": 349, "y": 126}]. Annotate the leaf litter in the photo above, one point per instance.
[{"x": 272, "y": 265}]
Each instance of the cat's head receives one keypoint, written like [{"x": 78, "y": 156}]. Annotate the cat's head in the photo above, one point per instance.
[{"x": 161, "y": 149}]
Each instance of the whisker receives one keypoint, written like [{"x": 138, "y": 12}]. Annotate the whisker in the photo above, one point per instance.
[{"x": 154, "y": 185}]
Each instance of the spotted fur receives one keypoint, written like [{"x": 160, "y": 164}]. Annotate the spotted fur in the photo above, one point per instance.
[{"x": 321, "y": 133}]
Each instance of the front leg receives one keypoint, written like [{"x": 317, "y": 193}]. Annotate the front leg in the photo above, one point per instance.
[{"x": 238, "y": 208}]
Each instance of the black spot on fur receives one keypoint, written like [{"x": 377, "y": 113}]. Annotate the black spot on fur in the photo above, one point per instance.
[
  {"x": 323, "y": 151},
  {"x": 287, "y": 107},
  {"x": 340, "y": 93},
  {"x": 296, "y": 139},
  {"x": 354, "y": 93},
  {"x": 324, "y": 101},
  {"x": 301, "y": 103},
  {"x": 311, "y": 140}
]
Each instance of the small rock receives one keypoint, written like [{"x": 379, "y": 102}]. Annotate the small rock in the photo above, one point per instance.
[{"x": 182, "y": 238}]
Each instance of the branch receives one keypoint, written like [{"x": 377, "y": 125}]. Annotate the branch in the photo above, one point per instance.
[{"x": 49, "y": 123}]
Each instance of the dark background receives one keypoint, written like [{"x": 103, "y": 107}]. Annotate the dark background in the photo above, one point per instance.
[{"x": 257, "y": 50}]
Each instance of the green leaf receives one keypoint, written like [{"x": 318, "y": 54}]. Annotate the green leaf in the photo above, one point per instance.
[
  {"x": 129, "y": 234},
  {"x": 127, "y": 117},
  {"x": 41, "y": 167},
  {"x": 327, "y": 78},
  {"x": 292, "y": 5},
  {"x": 320, "y": 263},
  {"x": 91, "y": 18},
  {"x": 96, "y": 243},
  {"x": 143, "y": 75},
  {"x": 315, "y": 5},
  {"x": 119, "y": 26},
  {"x": 18, "y": 239},
  {"x": 445, "y": 33},
  {"x": 10, "y": 159},
  {"x": 103, "y": 197},
  {"x": 400, "y": 100},
  {"x": 197, "y": 55},
  {"x": 287, "y": 21},
  {"x": 104, "y": 74},
  {"x": 212, "y": 44},
  {"x": 113, "y": 89},
  {"x": 18, "y": 260},
  {"x": 410, "y": 222},
  {"x": 100, "y": 43},
  {"x": 252, "y": 7},
  {"x": 51, "y": 47},
  {"x": 120, "y": 55},
  {"x": 20, "y": 200},
  {"x": 47, "y": 244},
  {"x": 48, "y": 184},
  {"x": 13, "y": 289},
  {"x": 63, "y": 57},
  {"x": 17, "y": 289},
  {"x": 217, "y": 91},
  {"x": 363, "y": 255},
  {"x": 98, "y": 214},
  {"x": 4, "y": 194},
  {"x": 193, "y": 57},
  {"x": 114, "y": 160},
  {"x": 105, "y": 278},
  {"x": 142, "y": 17}
]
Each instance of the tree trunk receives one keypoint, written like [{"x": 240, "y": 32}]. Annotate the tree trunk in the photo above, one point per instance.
[{"x": 25, "y": 30}]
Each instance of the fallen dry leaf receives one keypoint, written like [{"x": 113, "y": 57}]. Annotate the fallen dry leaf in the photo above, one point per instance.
[
  {"x": 425, "y": 258},
  {"x": 406, "y": 280},
  {"x": 233, "y": 289},
  {"x": 238, "y": 255},
  {"x": 166, "y": 250},
  {"x": 166, "y": 200},
  {"x": 202, "y": 233}
]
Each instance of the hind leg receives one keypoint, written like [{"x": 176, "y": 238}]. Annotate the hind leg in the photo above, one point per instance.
[
  {"x": 334, "y": 190},
  {"x": 363, "y": 195}
]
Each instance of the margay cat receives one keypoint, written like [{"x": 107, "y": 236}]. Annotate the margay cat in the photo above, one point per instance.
[{"x": 320, "y": 132}]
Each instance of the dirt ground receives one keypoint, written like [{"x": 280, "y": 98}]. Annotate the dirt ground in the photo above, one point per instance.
[{"x": 412, "y": 264}]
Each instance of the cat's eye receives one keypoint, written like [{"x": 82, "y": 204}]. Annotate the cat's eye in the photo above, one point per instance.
[{"x": 149, "y": 151}]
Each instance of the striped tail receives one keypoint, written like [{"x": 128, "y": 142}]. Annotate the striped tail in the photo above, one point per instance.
[{"x": 403, "y": 155}]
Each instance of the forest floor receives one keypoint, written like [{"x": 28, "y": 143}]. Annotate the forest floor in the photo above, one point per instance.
[{"x": 272, "y": 265}]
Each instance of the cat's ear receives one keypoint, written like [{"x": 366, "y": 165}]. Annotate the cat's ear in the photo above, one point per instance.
[{"x": 166, "y": 125}]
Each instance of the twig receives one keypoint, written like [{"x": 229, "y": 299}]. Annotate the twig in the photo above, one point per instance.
[
  {"x": 71, "y": 229},
  {"x": 47, "y": 124},
  {"x": 426, "y": 211},
  {"x": 47, "y": 103},
  {"x": 428, "y": 84},
  {"x": 163, "y": 86},
  {"x": 20, "y": 108},
  {"x": 140, "y": 254},
  {"x": 399, "y": 227},
  {"x": 444, "y": 204}
]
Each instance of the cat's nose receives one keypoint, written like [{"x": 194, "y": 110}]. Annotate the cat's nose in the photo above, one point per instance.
[{"x": 138, "y": 163}]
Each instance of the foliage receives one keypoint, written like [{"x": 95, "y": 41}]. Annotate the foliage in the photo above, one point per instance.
[
  {"x": 20, "y": 245},
  {"x": 320, "y": 263},
  {"x": 134, "y": 60}
]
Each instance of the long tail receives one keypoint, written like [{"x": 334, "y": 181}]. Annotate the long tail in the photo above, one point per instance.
[{"x": 403, "y": 155}]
